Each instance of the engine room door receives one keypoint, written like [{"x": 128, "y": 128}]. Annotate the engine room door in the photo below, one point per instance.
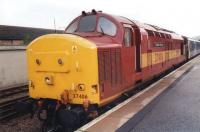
[{"x": 128, "y": 56}]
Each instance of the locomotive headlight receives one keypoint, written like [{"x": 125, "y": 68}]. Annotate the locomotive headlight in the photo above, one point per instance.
[
  {"x": 48, "y": 80},
  {"x": 81, "y": 87}
]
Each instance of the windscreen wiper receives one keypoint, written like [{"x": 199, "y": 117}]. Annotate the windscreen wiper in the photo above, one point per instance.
[{"x": 102, "y": 31}]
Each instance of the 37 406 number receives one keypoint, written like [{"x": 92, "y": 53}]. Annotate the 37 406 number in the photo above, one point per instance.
[{"x": 81, "y": 96}]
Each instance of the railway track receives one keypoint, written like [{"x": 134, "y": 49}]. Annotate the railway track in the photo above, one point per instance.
[{"x": 8, "y": 98}]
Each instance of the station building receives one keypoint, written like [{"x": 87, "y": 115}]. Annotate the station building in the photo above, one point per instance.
[{"x": 15, "y": 35}]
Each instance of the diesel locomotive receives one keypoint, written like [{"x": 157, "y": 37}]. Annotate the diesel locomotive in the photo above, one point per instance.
[{"x": 96, "y": 60}]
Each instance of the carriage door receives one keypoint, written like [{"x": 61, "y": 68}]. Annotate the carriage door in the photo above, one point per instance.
[
  {"x": 128, "y": 56},
  {"x": 137, "y": 50}
]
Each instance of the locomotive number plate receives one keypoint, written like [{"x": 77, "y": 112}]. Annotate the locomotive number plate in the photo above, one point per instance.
[{"x": 81, "y": 96}]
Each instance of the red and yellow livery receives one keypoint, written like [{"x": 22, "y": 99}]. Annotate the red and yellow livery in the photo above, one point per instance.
[{"x": 98, "y": 58}]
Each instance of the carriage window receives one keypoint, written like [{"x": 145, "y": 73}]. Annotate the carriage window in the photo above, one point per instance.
[
  {"x": 106, "y": 26},
  {"x": 127, "y": 37},
  {"x": 87, "y": 23},
  {"x": 73, "y": 27}
]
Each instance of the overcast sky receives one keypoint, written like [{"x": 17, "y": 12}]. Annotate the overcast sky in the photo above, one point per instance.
[{"x": 181, "y": 16}]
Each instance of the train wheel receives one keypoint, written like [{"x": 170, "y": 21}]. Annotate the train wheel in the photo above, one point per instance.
[{"x": 67, "y": 120}]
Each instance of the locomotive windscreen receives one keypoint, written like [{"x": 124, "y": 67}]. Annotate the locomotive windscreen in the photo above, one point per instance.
[{"x": 87, "y": 23}]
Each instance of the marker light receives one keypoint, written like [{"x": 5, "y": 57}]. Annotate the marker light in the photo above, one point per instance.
[{"x": 37, "y": 61}]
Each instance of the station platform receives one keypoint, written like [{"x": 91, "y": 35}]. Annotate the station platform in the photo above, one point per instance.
[
  {"x": 178, "y": 109},
  {"x": 170, "y": 104}
]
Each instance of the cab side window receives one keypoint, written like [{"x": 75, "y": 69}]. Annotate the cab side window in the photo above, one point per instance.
[{"x": 128, "y": 40}]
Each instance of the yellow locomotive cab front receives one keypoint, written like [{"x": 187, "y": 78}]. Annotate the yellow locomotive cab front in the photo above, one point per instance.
[{"x": 60, "y": 64}]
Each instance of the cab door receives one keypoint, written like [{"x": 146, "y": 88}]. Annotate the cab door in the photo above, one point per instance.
[{"x": 128, "y": 56}]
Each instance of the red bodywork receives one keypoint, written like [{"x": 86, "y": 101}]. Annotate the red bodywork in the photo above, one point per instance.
[{"x": 120, "y": 66}]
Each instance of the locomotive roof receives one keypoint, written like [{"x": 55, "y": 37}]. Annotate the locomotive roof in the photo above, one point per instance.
[
  {"x": 194, "y": 40},
  {"x": 121, "y": 19},
  {"x": 148, "y": 26}
]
